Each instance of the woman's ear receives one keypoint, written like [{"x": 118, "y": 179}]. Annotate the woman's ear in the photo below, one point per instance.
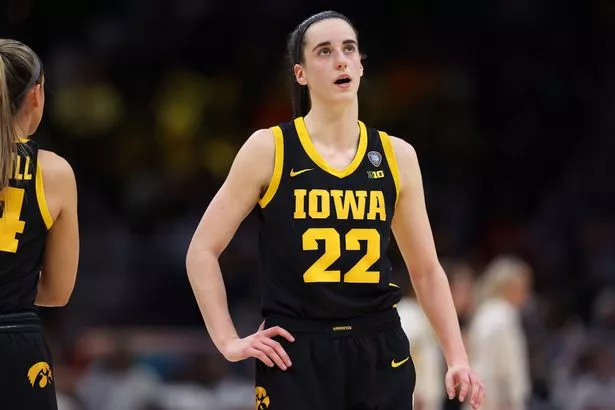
[
  {"x": 299, "y": 74},
  {"x": 36, "y": 95}
]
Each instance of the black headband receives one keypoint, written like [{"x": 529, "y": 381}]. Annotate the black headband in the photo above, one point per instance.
[
  {"x": 302, "y": 28},
  {"x": 36, "y": 74}
]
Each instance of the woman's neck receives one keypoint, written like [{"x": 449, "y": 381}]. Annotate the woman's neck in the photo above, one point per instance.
[
  {"x": 21, "y": 126},
  {"x": 334, "y": 127}
]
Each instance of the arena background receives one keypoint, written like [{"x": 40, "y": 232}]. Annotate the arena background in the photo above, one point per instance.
[{"x": 509, "y": 104}]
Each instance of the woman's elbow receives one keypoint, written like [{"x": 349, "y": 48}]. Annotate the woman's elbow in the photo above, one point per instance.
[
  {"x": 426, "y": 271},
  {"x": 52, "y": 299},
  {"x": 198, "y": 254},
  {"x": 191, "y": 258},
  {"x": 53, "y": 294}
]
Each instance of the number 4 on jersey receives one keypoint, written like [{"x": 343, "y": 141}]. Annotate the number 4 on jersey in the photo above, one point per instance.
[{"x": 10, "y": 222}]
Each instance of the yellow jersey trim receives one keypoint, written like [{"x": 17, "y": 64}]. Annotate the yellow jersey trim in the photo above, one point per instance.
[
  {"x": 306, "y": 142},
  {"x": 393, "y": 285},
  {"x": 278, "y": 163},
  {"x": 40, "y": 197},
  {"x": 391, "y": 160}
]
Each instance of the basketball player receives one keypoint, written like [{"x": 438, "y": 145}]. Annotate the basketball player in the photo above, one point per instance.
[
  {"x": 329, "y": 190},
  {"x": 38, "y": 233}
]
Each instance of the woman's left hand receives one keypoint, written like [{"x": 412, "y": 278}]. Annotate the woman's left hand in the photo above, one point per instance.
[{"x": 461, "y": 380}]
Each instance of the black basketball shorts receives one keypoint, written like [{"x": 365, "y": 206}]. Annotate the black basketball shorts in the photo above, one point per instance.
[
  {"x": 358, "y": 364},
  {"x": 26, "y": 376}
]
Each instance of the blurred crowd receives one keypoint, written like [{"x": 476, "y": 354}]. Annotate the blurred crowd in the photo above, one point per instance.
[
  {"x": 508, "y": 104},
  {"x": 526, "y": 361}
]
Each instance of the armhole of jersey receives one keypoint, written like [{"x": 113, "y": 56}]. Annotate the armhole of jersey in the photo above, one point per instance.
[
  {"x": 278, "y": 163},
  {"x": 391, "y": 160},
  {"x": 40, "y": 196}
]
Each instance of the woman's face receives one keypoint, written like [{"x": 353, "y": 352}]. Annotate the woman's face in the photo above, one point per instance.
[{"x": 332, "y": 66}]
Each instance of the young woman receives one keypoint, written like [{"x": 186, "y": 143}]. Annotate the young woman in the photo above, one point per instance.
[
  {"x": 329, "y": 190},
  {"x": 39, "y": 240}
]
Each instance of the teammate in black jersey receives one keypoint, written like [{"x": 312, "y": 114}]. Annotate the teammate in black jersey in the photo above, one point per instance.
[
  {"x": 330, "y": 190},
  {"x": 39, "y": 236}
]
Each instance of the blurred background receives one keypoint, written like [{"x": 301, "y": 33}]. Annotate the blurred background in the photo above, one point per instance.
[{"x": 509, "y": 105}]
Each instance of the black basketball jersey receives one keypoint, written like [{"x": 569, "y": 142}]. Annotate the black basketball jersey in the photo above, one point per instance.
[
  {"x": 24, "y": 222},
  {"x": 325, "y": 232}
]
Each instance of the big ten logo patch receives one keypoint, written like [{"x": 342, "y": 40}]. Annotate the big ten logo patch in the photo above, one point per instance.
[
  {"x": 262, "y": 399},
  {"x": 375, "y": 174}
]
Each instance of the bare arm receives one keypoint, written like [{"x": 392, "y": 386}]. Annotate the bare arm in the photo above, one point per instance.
[
  {"x": 415, "y": 240},
  {"x": 59, "y": 270},
  {"x": 250, "y": 174}
]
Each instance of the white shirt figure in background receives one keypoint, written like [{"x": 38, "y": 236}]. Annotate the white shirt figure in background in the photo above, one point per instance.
[
  {"x": 426, "y": 354},
  {"x": 497, "y": 343},
  {"x": 429, "y": 393}
]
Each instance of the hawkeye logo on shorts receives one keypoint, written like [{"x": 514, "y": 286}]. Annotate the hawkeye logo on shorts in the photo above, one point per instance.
[
  {"x": 40, "y": 372},
  {"x": 262, "y": 400}
]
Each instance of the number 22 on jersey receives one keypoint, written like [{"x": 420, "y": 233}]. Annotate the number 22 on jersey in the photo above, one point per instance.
[
  {"x": 359, "y": 273},
  {"x": 10, "y": 222}
]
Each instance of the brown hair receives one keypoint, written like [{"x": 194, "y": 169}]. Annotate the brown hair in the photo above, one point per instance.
[{"x": 20, "y": 70}]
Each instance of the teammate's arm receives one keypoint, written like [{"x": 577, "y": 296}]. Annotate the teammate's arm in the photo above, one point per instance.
[
  {"x": 61, "y": 257},
  {"x": 412, "y": 231},
  {"x": 250, "y": 174}
]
